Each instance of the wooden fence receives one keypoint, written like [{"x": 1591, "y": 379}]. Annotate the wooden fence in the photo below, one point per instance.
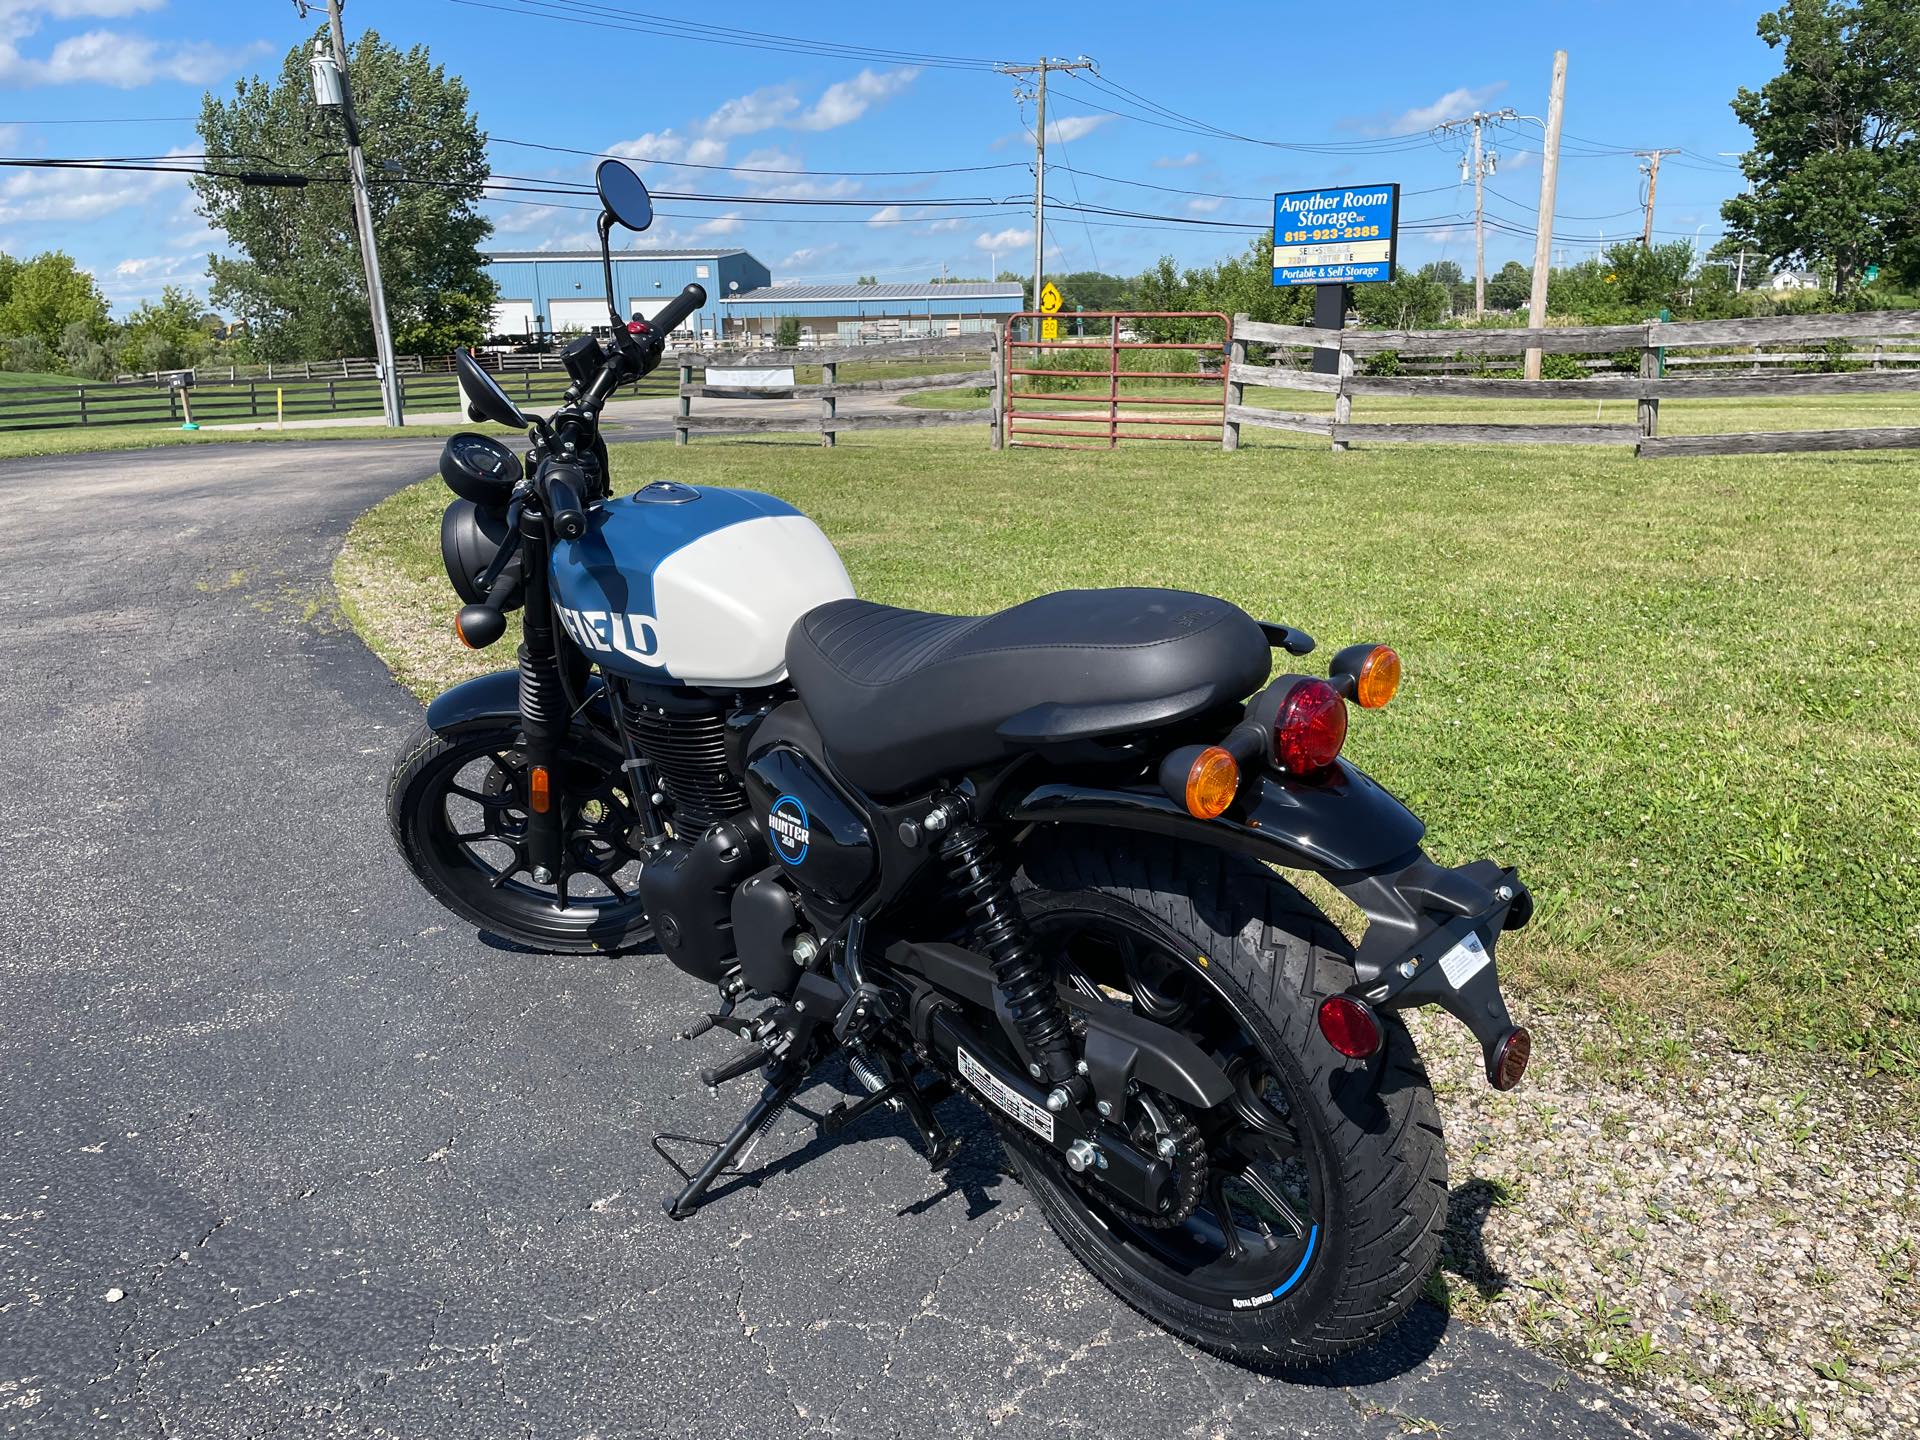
[
  {"x": 215, "y": 401},
  {"x": 1654, "y": 343},
  {"x": 828, "y": 422}
]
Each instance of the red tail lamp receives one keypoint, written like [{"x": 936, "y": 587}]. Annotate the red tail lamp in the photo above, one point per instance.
[
  {"x": 1310, "y": 728},
  {"x": 1351, "y": 1027},
  {"x": 1510, "y": 1058}
]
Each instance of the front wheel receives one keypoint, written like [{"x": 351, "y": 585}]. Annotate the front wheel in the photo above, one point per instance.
[
  {"x": 1311, "y": 1208},
  {"x": 457, "y": 807}
]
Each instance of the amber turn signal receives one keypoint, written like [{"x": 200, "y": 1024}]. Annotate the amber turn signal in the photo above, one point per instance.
[
  {"x": 539, "y": 792},
  {"x": 1378, "y": 680},
  {"x": 1212, "y": 781}
]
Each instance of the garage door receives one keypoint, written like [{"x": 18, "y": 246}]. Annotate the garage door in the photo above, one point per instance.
[
  {"x": 648, "y": 306},
  {"x": 513, "y": 317},
  {"x": 576, "y": 315}
]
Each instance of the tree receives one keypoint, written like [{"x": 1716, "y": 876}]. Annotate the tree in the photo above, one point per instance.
[
  {"x": 868, "y": 280},
  {"x": 297, "y": 282},
  {"x": 41, "y": 297},
  {"x": 1412, "y": 300},
  {"x": 1511, "y": 287},
  {"x": 174, "y": 333},
  {"x": 1241, "y": 284},
  {"x": 1835, "y": 161},
  {"x": 787, "y": 336}
]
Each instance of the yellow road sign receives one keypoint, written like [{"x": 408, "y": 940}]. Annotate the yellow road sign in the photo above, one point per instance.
[
  {"x": 1049, "y": 299},
  {"x": 1049, "y": 329}
]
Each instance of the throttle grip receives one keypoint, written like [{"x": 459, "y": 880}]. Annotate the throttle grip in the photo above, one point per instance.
[
  {"x": 563, "y": 502},
  {"x": 677, "y": 309}
]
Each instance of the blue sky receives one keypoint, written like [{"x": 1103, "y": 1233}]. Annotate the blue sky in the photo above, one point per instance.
[{"x": 1343, "y": 80}]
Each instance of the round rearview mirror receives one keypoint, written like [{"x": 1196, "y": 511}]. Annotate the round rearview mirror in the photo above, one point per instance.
[
  {"x": 623, "y": 194},
  {"x": 485, "y": 399}
]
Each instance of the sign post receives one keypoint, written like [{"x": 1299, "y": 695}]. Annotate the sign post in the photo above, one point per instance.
[{"x": 1333, "y": 238}]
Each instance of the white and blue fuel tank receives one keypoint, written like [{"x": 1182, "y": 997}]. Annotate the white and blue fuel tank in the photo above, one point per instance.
[{"x": 693, "y": 584}]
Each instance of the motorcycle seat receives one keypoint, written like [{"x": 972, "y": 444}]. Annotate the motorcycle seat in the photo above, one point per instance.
[{"x": 902, "y": 696}]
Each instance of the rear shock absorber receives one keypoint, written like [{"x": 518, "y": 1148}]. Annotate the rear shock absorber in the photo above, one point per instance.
[{"x": 1025, "y": 979}]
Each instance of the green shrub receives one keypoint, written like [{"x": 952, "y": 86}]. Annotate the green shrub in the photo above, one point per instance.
[
  {"x": 1562, "y": 367},
  {"x": 1386, "y": 362}
]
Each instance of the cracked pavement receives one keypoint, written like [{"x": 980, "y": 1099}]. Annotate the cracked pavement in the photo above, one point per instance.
[{"x": 285, "y": 1149}]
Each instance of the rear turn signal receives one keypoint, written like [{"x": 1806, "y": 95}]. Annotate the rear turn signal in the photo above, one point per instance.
[
  {"x": 1378, "y": 680},
  {"x": 1310, "y": 728},
  {"x": 1350, "y": 1026},
  {"x": 1212, "y": 781},
  {"x": 1510, "y": 1058}
]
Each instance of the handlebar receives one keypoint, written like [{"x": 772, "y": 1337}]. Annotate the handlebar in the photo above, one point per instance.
[
  {"x": 563, "y": 500},
  {"x": 678, "y": 309}
]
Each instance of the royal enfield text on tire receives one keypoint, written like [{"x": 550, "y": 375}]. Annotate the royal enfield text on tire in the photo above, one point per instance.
[
  {"x": 456, "y": 807},
  {"x": 1369, "y": 1180}
]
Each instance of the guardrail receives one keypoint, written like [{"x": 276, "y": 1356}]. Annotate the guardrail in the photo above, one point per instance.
[
  {"x": 1647, "y": 389},
  {"x": 830, "y": 390}
]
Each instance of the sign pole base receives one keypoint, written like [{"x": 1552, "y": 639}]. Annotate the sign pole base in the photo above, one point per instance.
[{"x": 1329, "y": 313}]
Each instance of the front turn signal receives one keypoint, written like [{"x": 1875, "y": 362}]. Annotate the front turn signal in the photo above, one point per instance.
[
  {"x": 1212, "y": 781},
  {"x": 539, "y": 789}
]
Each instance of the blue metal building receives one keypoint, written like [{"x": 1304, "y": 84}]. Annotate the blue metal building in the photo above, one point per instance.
[{"x": 557, "y": 291}]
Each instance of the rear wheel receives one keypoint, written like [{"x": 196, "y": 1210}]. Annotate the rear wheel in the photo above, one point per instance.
[
  {"x": 457, "y": 808},
  {"x": 1311, "y": 1209}
]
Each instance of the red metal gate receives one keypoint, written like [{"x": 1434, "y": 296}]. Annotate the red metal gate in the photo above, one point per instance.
[{"x": 1201, "y": 415}]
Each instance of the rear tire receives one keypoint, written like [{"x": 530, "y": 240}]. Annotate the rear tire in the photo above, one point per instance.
[{"x": 1369, "y": 1135}]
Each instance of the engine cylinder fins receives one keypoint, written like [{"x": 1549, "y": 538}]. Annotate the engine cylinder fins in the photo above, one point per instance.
[
  {"x": 684, "y": 740},
  {"x": 1025, "y": 979}
]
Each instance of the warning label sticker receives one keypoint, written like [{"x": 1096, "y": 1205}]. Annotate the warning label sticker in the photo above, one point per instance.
[
  {"x": 1035, "y": 1117},
  {"x": 1465, "y": 960}
]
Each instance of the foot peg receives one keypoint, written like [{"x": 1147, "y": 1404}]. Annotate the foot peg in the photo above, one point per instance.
[{"x": 751, "y": 1058}]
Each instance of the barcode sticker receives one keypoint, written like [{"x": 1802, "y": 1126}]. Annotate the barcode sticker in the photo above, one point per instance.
[{"x": 1036, "y": 1118}]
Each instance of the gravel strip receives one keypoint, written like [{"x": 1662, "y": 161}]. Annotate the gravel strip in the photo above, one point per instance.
[{"x": 1734, "y": 1236}]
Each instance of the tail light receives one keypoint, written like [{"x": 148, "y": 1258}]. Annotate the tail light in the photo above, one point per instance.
[
  {"x": 1309, "y": 728},
  {"x": 1350, "y": 1026}
]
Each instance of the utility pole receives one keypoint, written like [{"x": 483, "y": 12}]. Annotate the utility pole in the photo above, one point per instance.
[
  {"x": 1482, "y": 165},
  {"x": 1650, "y": 168},
  {"x": 1041, "y": 70},
  {"x": 362, "y": 211},
  {"x": 1543, "y": 233}
]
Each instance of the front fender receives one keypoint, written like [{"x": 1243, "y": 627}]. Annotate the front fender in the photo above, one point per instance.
[
  {"x": 1347, "y": 823},
  {"x": 480, "y": 703}
]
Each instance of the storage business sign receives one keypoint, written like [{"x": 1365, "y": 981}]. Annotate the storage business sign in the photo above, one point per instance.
[{"x": 1334, "y": 237}]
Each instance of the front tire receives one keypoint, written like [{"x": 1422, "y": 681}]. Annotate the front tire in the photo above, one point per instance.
[
  {"x": 1365, "y": 1176},
  {"x": 456, "y": 806}
]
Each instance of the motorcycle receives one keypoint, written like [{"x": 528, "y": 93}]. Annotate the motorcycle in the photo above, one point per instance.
[{"x": 1031, "y": 857}]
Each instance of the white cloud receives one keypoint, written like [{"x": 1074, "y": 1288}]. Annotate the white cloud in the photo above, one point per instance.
[
  {"x": 720, "y": 225},
  {"x": 1450, "y": 106},
  {"x": 111, "y": 57},
  {"x": 952, "y": 222},
  {"x": 886, "y": 215},
  {"x": 1204, "y": 204},
  {"x": 72, "y": 194},
  {"x": 847, "y": 100},
  {"x": 670, "y": 145},
  {"x": 806, "y": 255},
  {"x": 1007, "y": 239},
  {"x": 749, "y": 114},
  {"x": 1177, "y": 162},
  {"x": 1072, "y": 127}
]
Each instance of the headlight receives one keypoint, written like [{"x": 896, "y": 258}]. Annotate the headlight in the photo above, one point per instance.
[{"x": 470, "y": 538}]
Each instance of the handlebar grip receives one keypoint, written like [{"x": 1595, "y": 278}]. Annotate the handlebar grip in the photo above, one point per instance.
[
  {"x": 563, "y": 503},
  {"x": 678, "y": 308}
]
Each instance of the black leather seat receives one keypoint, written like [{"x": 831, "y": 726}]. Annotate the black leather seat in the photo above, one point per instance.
[{"x": 901, "y": 696}]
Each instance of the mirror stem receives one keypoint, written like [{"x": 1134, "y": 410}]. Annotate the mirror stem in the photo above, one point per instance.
[{"x": 606, "y": 267}]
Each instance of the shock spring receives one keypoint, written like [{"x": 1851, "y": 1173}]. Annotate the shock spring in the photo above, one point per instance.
[{"x": 1025, "y": 979}]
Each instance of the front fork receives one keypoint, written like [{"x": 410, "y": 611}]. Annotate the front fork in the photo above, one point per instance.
[{"x": 544, "y": 713}]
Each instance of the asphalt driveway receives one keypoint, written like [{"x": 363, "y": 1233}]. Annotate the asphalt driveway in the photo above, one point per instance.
[{"x": 286, "y": 1150}]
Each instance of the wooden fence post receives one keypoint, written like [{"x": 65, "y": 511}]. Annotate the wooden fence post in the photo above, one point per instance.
[
  {"x": 1236, "y": 392},
  {"x": 686, "y": 400},
  {"x": 1342, "y": 401},
  {"x": 253, "y": 398},
  {"x": 1649, "y": 370},
  {"x": 83, "y": 404},
  {"x": 829, "y": 402}
]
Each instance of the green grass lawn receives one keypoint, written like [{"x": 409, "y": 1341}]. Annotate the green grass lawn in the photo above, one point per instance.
[
  {"x": 34, "y": 379},
  {"x": 1679, "y": 695}
]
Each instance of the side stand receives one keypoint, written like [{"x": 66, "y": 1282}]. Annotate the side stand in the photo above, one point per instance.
[{"x": 782, "y": 1084}]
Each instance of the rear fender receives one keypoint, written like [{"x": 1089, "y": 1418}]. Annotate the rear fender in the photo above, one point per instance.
[{"x": 1431, "y": 931}]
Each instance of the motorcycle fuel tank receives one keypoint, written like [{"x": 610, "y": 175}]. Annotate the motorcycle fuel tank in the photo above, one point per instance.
[{"x": 693, "y": 584}]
